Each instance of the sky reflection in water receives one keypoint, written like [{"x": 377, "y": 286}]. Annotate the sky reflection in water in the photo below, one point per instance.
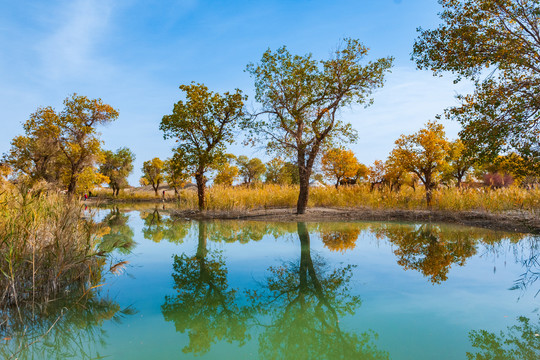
[{"x": 248, "y": 289}]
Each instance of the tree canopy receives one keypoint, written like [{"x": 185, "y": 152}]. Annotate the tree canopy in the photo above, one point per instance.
[
  {"x": 424, "y": 153},
  {"x": 494, "y": 43},
  {"x": 117, "y": 166},
  {"x": 300, "y": 100},
  {"x": 63, "y": 147},
  {"x": 339, "y": 164},
  {"x": 203, "y": 125},
  {"x": 153, "y": 173}
]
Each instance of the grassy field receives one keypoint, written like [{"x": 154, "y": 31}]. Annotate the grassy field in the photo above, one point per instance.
[{"x": 240, "y": 198}]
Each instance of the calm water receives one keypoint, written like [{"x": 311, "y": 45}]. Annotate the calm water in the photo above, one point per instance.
[{"x": 258, "y": 290}]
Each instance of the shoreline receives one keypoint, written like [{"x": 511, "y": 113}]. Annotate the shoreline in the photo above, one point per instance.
[{"x": 511, "y": 221}]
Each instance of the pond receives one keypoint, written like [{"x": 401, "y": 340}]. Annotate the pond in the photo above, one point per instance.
[{"x": 327, "y": 290}]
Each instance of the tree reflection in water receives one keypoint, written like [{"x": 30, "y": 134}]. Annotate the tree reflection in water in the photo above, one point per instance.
[
  {"x": 118, "y": 234},
  {"x": 305, "y": 301},
  {"x": 204, "y": 305},
  {"x": 519, "y": 342},
  {"x": 157, "y": 227},
  {"x": 302, "y": 300}
]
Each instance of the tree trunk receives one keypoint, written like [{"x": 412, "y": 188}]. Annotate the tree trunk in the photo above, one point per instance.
[
  {"x": 301, "y": 205},
  {"x": 429, "y": 188},
  {"x": 201, "y": 185},
  {"x": 72, "y": 185}
]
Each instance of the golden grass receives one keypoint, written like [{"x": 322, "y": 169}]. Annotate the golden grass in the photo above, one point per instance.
[
  {"x": 222, "y": 198},
  {"x": 48, "y": 246}
]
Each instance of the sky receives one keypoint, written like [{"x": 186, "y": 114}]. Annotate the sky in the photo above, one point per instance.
[{"x": 135, "y": 54}]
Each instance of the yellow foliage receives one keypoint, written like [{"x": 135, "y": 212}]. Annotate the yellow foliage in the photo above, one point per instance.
[{"x": 339, "y": 164}]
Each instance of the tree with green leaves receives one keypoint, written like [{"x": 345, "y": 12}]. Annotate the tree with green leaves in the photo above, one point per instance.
[
  {"x": 203, "y": 125},
  {"x": 425, "y": 154},
  {"x": 62, "y": 147},
  {"x": 117, "y": 166},
  {"x": 495, "y": 44},
  {"x": 177, "y": 173},
  {"x": 300, "y": 101},
  {"x": 153, "y": 173},
  {"x": 251, "y": 170}
]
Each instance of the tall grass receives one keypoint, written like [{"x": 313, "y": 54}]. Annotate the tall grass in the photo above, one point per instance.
[
  {"x": 222, "y": 198},
  {"x": 47, "y": 247},
  {"x": 449, "y": 199}
]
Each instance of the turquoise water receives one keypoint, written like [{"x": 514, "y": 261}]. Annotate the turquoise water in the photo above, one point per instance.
[{"x": 258, "y": 290}]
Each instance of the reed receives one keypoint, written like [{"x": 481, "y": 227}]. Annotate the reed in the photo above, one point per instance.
[
  {"x": 267, "y": 196},
  {"x": 48, "y": 246}
]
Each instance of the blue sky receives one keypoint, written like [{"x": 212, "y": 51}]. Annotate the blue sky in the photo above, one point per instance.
[{"x": 134, "y": 55}]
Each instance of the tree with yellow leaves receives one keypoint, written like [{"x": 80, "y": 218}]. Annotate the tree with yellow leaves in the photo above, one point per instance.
[
  {"x": 376, "y": 173},
  {"x": 425, "y": 154},
  {"x": 227, "y": 173},
  {"x": 339, "y": 164},
  {"x": 153, "y": 173},
  {"x": 62, "y": 147}
]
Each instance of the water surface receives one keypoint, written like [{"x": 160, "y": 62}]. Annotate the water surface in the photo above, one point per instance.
[{"x": 261, "y": 290}]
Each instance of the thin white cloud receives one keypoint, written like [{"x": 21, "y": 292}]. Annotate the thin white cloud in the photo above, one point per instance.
[{"x": 70, "y": 49}]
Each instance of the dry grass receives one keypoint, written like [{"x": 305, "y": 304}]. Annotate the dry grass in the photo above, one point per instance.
[
  {"x": 47, "y": 246},
  {"x": 221, "y": 198}
]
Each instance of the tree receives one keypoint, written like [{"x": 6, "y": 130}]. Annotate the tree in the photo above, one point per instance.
[
  {"x": 153, "y": 173},
  {"x": 300, "y": 101},
  {"x": 376, "y": 173},
  {"x": 281, "y": 172},
  {"x": 117, "y": 166},
  {"x": 424, "y": 154},
  {"x": 60, "y": 147},
  {"x": 339, "y": 164},
  {"x": 460, "y": 161},
  {"x": 394, "y": 173},
  {"x": 203, "y": 125},
  {"x": 250, "y": 169},
  {"x": 227, "y": 173},
  {"x": 176, "y": 171},
  {"x": 500, "y": 39}
]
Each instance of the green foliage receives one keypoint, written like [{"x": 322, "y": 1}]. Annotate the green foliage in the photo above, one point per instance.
[
  {"x": 251, "y": 170},
  {"x": 497, "y": 38},
  {"x": 203, "y": 125},
  {"x": 519, "y": 342},
  {"x": 177, "y": 173},
  {"x": 117, "y": 166},
  {"x": 460, "y": 162},
  {"x": 153, "y": 173},
  {"x": 300, "y": 100}
]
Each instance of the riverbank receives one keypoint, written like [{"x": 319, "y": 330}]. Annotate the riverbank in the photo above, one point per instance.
[{"x": 512, "y": 221}]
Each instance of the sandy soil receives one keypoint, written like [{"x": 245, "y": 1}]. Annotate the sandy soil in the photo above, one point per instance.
[{"x": 514, "y": 221}]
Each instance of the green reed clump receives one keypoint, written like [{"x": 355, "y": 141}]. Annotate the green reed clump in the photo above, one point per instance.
[{"x": 47, "y": 246}]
